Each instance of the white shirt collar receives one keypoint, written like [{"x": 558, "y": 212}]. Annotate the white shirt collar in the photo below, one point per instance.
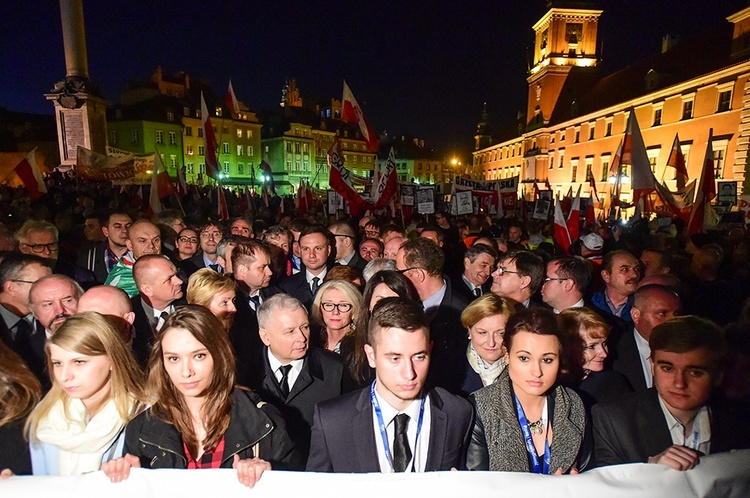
[
  {"x": 699, "y": 437},
  {"x": 293, "y": 373},
  {"x": 644, "y": 352}
]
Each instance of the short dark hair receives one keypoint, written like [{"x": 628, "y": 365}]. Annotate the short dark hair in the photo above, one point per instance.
[
  {"x": 542, "y": 322},
  {"x": 313, "y": 229},
  {"x": 608, "y": 259},
  {"x": 666, "y": 258},
  {"x": 683, "y": 334},
  {"x": 474, "y": 251},
  {"x": 575, "y": 268},
  {"x": 425, "y": 254},
  {"x": 429, "y": 227},
  {"x": 247, "y": 251},
  {"x": 396, "y": 312},
  {"x": 528, "y": 264},
  {"x": 377, "y": 241}
]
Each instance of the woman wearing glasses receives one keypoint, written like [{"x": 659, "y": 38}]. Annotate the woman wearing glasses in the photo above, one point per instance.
[
  {"x": 186, "y": 244},
  {"x": 594, "y": 383},
  {"x": 336, "y": 307}
]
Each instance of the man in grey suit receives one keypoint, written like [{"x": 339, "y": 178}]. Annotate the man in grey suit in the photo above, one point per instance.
[{"x": 397, "y": 424}]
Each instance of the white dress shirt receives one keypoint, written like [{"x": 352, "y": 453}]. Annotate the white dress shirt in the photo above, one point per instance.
[
  {"x": 293, "y": 373},
  {"x": 419, "y": 449},
  {"x": 644, "y": 352},
  {"x": 699, "y": 437}
]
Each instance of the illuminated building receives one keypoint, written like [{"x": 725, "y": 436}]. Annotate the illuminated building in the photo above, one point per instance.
[
  {"x": 576, "y": 118},
  {"x": 415, "y": 163}
]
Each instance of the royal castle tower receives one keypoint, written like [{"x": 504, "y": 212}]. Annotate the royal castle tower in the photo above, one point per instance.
[{"x": 565, "y": 40}]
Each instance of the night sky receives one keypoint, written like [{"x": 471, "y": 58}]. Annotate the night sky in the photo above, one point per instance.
[{"x": 423, "y": 68}]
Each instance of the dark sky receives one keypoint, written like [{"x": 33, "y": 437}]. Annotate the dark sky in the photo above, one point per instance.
[{"x": 417, "y": 67}]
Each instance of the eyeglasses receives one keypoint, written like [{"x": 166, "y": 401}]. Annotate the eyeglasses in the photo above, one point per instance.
[
  {"x": 548, "y": 279},
  {"x": 22, "y": 281},
  {"x": 192, "y": 240},
  {"x": 342, "y": 307},
  {"x": 211, "y": 235},
  {"x": 39, "y": 248},
  {"x": 502, "y": 271}
]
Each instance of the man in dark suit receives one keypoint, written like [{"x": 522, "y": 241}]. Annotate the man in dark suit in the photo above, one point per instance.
[
  {"x": 210, "y": 235},
  {"x": 314, "y": 250},
  {"x": 346, "y": 245},
  {"x": 421, "y": 261},
  {"x": 288, "y": 373},
  {"x": 102, "y": 257},
  {"x": 18, "y": 272},
  {"x": 397, "y": 424},
  {"x": 160, "y": 290},
  {"x": 518, "y": 276},
  {"x": 681, "y": 417},
  {"x": 652, "y": 305},
  {"x": 251, "y": 261},
  {"x": 479, "y": 262}
]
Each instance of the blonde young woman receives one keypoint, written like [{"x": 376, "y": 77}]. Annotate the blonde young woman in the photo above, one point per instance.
[
  {"x": 336, "y": 308},
  {"x": 96, "y": 391},
  {"x": 214, "y": 291},
  {"x": 485, "y": 319}
]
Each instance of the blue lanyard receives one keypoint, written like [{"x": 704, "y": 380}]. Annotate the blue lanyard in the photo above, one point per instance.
[
  {"x": 538, "y": 469},
  {"x": 384, "y": 434}
]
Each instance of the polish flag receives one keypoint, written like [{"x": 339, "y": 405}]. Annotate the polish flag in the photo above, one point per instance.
[
  {"x": 223, "y": 209},
  {"x": 706, "y": 191},
  {"x": 387, "y": 184},
  {"x": 634, "y": 153},
  {"x": 30, "y": 175},
  {"x": 161, "y": 185},
  {"x": 231, "y": 101},
  {"x": 562, "y": 236},
  {"x": 352, "y": 113},
  {"x": 340, "y": 180},
  {"x": 574, "y": 216},
  {"x": 677, "y": 161},
  {"x": 209, "y": 140}
]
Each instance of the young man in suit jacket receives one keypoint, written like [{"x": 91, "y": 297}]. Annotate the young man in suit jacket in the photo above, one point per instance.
[
  {"x": 682, "y": 417},
  {"x": 397, "y": 424},
  {"x": 314, "y": 249}
]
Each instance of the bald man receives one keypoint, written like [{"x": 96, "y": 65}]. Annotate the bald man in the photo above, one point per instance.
[
  {"x": 143, "y": 238},
  {"x": 114, "y": 304}
]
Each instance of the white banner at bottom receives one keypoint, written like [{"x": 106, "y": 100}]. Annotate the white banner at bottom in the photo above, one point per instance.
[{"x": 725, "y": 475}]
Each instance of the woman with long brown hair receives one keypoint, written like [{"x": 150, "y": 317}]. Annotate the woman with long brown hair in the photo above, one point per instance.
[{"x": 199, "y": 419}]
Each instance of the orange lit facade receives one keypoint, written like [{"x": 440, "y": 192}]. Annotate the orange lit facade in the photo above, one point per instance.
[{"x": 576, "y": 119}]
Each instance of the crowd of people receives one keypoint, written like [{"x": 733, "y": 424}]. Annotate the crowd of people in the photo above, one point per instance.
[{"x": 333, "y": 344}]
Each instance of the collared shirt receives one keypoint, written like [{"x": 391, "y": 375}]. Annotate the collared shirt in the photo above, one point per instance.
[
  {"x": 419, "y": 455},
  {"x": 432, "y": 303},
  {"x": 579, "y": 304},
  {"x": 154, "y": 315},
  {"x": 470, "y": 285},
  {"x": 616, "y": 310},
  {"x": 699, "y": 437},
  {"x": 309, "y": 276},
  {"x": 207, "y": 263},
  {"x": 252, "y": 303},
  {"x": 293, "y": 373},
  {"x": 644, "y": 353},
  {"x": 110, "y": 258},
  {"x": 346, "y": 259},
  {"x": 209, "y": 459}
]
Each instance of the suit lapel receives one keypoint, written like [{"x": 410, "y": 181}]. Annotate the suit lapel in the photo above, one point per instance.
[
  {"x": 438, "y": 430},
  {"x": 363, "y": 431},
  {"x": 304, "y": 379}
]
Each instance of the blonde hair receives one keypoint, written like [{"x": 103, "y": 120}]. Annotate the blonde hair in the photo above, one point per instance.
[
  {"x": 19, "y": 388},
  {"x": 583, "y": 322},
  {"x": 352, "y": 295},
  {"x": 90, "y": 334},
  {"x": 204, "y": 284},
  {"x": 486, "y": 305}
]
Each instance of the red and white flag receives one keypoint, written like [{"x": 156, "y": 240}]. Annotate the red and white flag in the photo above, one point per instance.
[
  {"x": 642, "y": 179},
  {"x": 574, "y": 216},
  {"x": 340, "y": 180},
  {"x": 677, "y": 161},
  {"x": 209, "y": 139},
  {"x": 562, "y": 236},
  {"x": 29, "y": 173},
  {"x": 223, "y": 209},
  {"x": 161, "y": 185},
  {"x": 387, "y": 183},
  {"x": 231, "y": 101},
  {"x": 706, "y": 191},
  {"x": 352, "y": 113}
]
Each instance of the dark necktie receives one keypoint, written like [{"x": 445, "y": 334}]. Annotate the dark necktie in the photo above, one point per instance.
[
  {"x": 22, "y": 342},
  {"x": 215, "y": 267},
  {"x": 255, "y": 302},
  {"x": 401, "y": 451},
  {"x": 315, "y": 285},
  {"x": 284, "y": 382},
  {"x": 477, "y": 291},
  {"x": 160, "y": 321}
]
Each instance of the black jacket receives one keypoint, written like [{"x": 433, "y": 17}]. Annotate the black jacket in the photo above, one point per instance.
[{"x": 256, "y": 429}]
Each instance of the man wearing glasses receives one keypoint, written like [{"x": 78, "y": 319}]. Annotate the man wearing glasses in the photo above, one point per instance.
[
  {"x": 18, "y": 272},
  {"x": 518, "y": 277},
  {"x": 210, "y": 235},
  {"x": 565, "y": 283}
]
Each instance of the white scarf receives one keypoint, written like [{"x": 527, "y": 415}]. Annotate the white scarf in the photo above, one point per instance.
[
  {"x": 488, "y": 372},
  {"x": 81, "y": 442}
]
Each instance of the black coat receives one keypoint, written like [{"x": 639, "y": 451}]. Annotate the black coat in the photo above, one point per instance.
[
  {"x": 256, "y": 429},
  {"x": 460, "y": 287},
  {"x": 343, "y": 437},
  {"x": 143, "y": 340}
]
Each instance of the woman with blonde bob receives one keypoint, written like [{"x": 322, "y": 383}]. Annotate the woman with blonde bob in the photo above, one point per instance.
[
  {"x": 96, "y": 390},
  {"x": 199, "y": 419},
  {"x": 336, "y": 308},
  {"x": 590, "y": 379},
  {"x": 485, "y": 319},
  {"x": 214, "y": 291}
]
